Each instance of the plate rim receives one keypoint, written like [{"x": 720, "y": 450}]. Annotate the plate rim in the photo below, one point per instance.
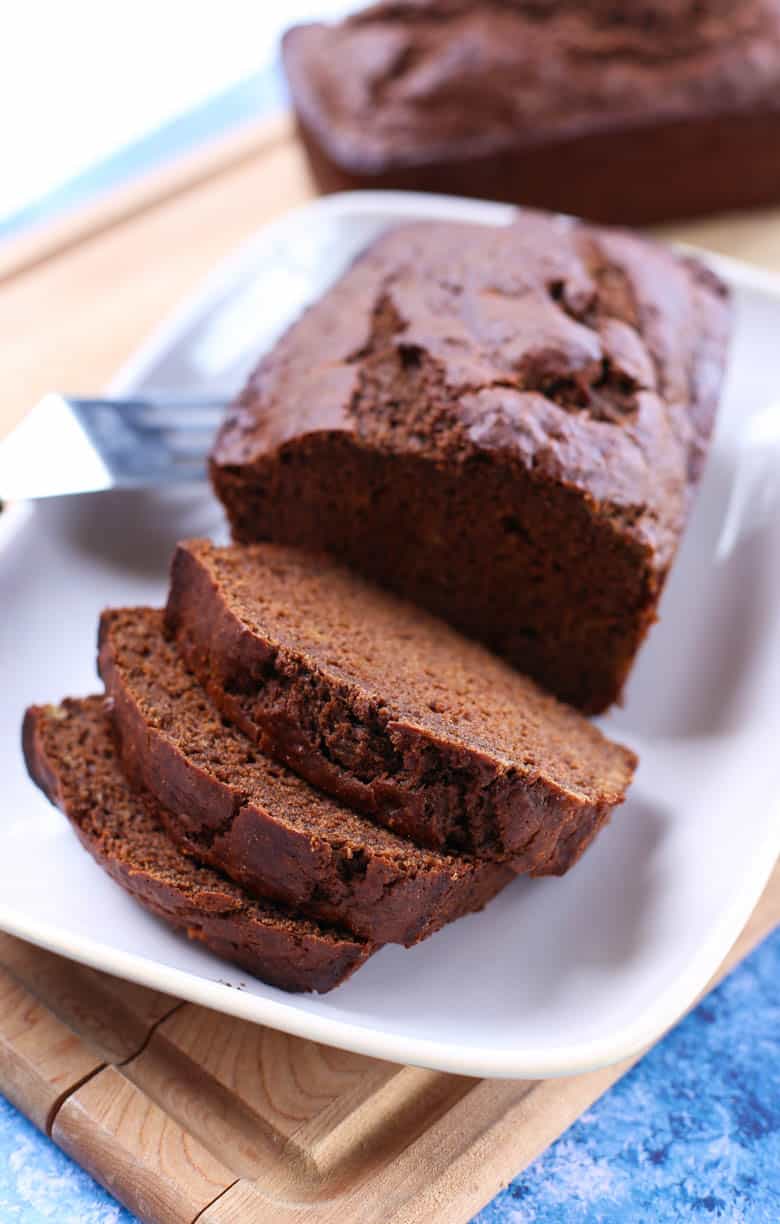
[
  {"x": 627, "y": 1041},
  {"x": 473, "y": 1060}
]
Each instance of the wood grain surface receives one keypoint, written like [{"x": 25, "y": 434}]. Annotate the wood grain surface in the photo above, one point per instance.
[
  {"x": 182, "y": 1113},
  {"x": 138, "y": 1151},
  {"x": 112, "y": 1016}
]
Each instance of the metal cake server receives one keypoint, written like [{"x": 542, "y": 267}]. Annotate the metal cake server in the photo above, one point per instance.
[{"x": 70, "y": 445}]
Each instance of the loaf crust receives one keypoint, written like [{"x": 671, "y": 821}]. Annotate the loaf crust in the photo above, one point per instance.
[
  {"x": 505, "y": 425},
  {"x": 631, "y": 113}
]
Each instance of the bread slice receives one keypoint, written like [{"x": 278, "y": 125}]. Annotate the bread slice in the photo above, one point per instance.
[
  {"x": 390, "y": 710},
  {"x": 270, "y": 831},
  {"x": 70, "y": 755}
]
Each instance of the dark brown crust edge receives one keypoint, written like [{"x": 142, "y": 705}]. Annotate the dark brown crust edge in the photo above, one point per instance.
[
  {"x": 500, "y": 817},
  {"x": 639, "y": 174},
  {"x": 379, "y": 900},
  {"x": 274, "y": 954}
]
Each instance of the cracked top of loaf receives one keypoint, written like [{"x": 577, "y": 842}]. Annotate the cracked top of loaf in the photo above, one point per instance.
[
  {"x": 420, "y": 80},
  {"x": 591, "y": 358}
]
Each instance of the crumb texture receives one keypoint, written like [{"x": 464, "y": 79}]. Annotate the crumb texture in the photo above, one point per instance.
[
  {"x": 71, "y": 755},
  {"x": 389, "y": 708},
  {"x": 232, "y": 806}
]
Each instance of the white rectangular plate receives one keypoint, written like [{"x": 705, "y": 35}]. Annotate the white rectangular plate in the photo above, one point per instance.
[{"x": 556, "y": 976}]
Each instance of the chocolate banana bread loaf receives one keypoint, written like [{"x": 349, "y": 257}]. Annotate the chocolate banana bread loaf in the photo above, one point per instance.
[
  {"x": 633, "y": 112},
  {"x": 505, "y": 425},
  {"x": 70, "y": 755},
  {"x": 235, "y": 809},
  {"x": 389, "y": 709}
]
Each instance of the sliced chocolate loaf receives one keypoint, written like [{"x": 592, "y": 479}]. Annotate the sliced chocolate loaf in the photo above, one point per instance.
[
  {"x": 71, "y": 756},
  {"x": 236, "y": 809},
  {"x": 505, "y": 425},
  {"x": 389, "y": 709}
]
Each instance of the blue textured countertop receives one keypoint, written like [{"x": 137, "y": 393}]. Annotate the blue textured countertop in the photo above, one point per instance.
[{"x": 692, "y": 1133}]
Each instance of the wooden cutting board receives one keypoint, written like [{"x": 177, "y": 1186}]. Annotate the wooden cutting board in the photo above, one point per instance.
[
  {"x": 187, "y": 1114},
  {"x": 182, "y": 1113}
]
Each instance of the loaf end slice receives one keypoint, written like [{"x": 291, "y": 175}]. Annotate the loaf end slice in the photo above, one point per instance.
[{"x": 70, "y": 755}]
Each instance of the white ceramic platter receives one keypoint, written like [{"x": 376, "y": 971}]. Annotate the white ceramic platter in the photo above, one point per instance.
[{"x": 556, "y": 976}]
